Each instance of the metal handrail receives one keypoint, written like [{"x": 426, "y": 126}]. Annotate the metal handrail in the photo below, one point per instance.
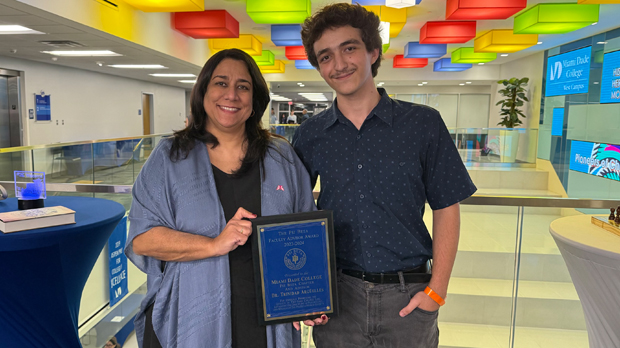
[
  {"x": 73, "y": 143},
  {"x": 511, "y": 201}
]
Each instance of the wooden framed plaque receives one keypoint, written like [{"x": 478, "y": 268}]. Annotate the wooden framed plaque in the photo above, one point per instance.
[{"x": 294, "y": 266}]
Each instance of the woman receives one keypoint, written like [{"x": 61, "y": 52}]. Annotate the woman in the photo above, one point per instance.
[{"x": 189, "y": 230}]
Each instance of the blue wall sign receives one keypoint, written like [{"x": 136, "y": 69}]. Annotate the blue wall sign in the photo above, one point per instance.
[
  {"x": 558, "y": 122},
  {"x": 568, "y": 73},
  {"x": 610, "y": 80},
  {"x": 595, "y": 159},
  {"x": 118, "y": 262},
  {"x": 43, "y": 107}
]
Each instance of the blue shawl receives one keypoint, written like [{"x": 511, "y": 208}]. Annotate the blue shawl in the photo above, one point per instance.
[{"x": 192, "y": 299}]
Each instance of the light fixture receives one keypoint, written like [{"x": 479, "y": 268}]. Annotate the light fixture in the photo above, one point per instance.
[
  {"x": 303, "y": 64},
  {"x": 286, "y": 35},
  {"x": 424, "y": 83},
  {"x": 468, "y": 56},
  {"x": 504, "y": 55},
  {"x": 295, "y": 53},
  {"x": 447, "y": 32},
  {"x": 299, "y": 83},
  {"x": 461, "y": 84},
  {"x": 504, "y": 40},
  {"x": 167, "y": 5},
  {"x": 266, "y": 58},
  {"x": 420, "y": 84},
  {"x": 83, "y": 53},
  {"x": 401, "y": 3},
  {"x": 137, "y": 66},
  {"x": 483, "y": 9},
  {"x": 99, "y": 63},
  {"x": 445, "y": 65},
  {"x": 302, "y": 85},
  {"x": 384, "y": 32},
  {"x": 539, "y": 43},
  {"x": 595, "y": 23},
  {"x": 555, "y": 18},
  {"x": 397, "y": 17},
  {"x": 209, "y": 24},
  {"x": 601, "y": 43},
  {"x": 187, "y": 81},
  {"x": 468, "y": 82},
  {"x": 480, "y": 63},
  {"x": 248, "y": 43},
  {"x": 277, "y": 68},
  {"x": 402, "y": 62},
  {"x": 16, "y": 29},
  {"x": 418, "y": 50},
  {"x": 278, "y": 11},
  {"x": 173, "y": 75}
]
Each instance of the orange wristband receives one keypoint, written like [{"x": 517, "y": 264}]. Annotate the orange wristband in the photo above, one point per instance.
[{"x": 434, "y": 296}]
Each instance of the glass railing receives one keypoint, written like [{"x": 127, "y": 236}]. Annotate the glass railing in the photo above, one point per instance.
[
  {"x": 285, "y": 130},
  {"x": 480, "y": 146}
]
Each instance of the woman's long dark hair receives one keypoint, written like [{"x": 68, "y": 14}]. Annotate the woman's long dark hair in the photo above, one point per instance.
[{"x": 257, "y": 138}]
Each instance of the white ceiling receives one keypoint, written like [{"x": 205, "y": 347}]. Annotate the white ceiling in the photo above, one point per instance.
[{"x": 58, "y": 28}]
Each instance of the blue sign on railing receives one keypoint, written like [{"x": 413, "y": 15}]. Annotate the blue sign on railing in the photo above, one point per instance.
[
  {"x": 568, "y": 73},
  {"x": 595, "y": 159},
  {"x": 118, "y": 262},
  {"x": 610, "y": 80},
  {"x": 558, "y": 122}
]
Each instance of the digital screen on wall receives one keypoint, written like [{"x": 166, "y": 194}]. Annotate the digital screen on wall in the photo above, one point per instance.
[
  {"x": 595, "y": 159},
  {"x": 568, "y": 73},
  {"x": 610, "y": 79}
]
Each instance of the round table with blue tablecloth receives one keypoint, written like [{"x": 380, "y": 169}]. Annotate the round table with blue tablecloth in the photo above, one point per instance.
[{"x": 43, "y": 272}]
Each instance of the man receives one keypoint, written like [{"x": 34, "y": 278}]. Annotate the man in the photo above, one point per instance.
[
  {"x": 380, "y": 161},
  {"x": 304, "y": 116}
]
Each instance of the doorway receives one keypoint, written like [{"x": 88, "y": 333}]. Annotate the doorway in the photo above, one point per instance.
[
  {"x": 148, "y": 122},
  {"x": 10, "y": 123}
]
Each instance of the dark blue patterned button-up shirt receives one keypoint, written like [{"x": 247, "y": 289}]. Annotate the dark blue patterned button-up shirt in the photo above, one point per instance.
[{"x": 378, "y": 178}]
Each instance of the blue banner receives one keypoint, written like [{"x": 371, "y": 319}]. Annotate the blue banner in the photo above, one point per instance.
[
  {"x": 43, "y": 107},
  {"x": 118, "y": 262},
  {"x": 558, "y": 122},
  {"x": 595, "y": 159},
  {"x": 568, "y": 73},
  {"x": 610, "y": 79}
]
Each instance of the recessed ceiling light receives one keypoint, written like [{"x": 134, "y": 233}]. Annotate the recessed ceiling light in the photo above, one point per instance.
[
  {"x": 480, "y": 63},
  {"x": 539, "y": 43},
  {"x": 137, "y": 66},
  {"x": 424, "y": 82},
  {"x": 468, "y": 82},
  {"x": 601, "y": 43},
  {"x": 16, "y": 29},
  {"x": 461, "y": 84},
  {"x": 504, "y": 55},
  {"x": 104, "y": 53},
  {"x": 302, "y": 85},
  {"x": 596, "y": 82},
  {"x": 595, "y": 23},
  {"x": 420, "y": 84},
  {"x": 173, "y": 75},
  {"x": 99, "y": 63},
  {"x": 187, "y": 81}
]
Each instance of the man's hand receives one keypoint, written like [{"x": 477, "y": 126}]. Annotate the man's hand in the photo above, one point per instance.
[
  {"x": 318, "y": 321},
  {"x": 421, "y": 300}
]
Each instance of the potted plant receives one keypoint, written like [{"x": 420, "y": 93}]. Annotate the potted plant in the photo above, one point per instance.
[{"x": 514, "y": 93}]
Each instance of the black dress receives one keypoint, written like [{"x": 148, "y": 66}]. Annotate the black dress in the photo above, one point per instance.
[{"x": 235, "y": 192}]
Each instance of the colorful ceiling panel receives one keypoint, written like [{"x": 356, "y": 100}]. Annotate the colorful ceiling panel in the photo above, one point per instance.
[
  {"x": 206, "y": 24},
  {"x": 246, "y": 42},
  {"x": 278, "y": 11},
  {"x": 303, "y": 65},
  {"x": 466, "y": 55},
  {"x": 266, "y": 58},
  {"x": 418, "y": 50},
  {"x": 397, "y": 17},
  {"x": 286, "y": 35},
  {"x": 556, "y": 18},
  {"x": 167, "y": 5},
  {"x": 402, "y": 62},
  {"x": 295, "y": 53},
  {"x": 447, "y": 32},
  {"x": 277, "y": 68},
  {"x": 445, "y": 65},
  {"x": 483, "y": 9},
  {"x": 504, "y": 41}
]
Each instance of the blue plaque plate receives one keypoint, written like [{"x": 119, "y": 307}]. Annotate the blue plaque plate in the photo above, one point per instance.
[{"x": 295, "y": 269}]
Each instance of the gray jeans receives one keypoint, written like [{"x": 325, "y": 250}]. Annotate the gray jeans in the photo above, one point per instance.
[{"x": 368, "y": 317}]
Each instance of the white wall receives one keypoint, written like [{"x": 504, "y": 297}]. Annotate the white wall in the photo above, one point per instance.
[{"x": 92, "y": 105}]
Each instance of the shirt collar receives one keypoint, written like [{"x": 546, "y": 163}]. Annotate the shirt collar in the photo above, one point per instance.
[{"x": 383, "y": 110}]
